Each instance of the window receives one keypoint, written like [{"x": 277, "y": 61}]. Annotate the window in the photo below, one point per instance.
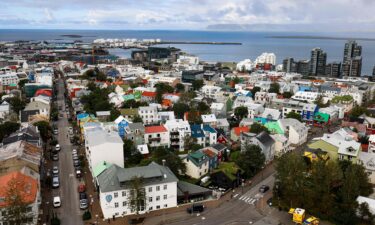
[
  {"x": 165, "y": 206},
  {"x": 165, "y": 187},
  {"x": 158, "y": 207},
  {"x": 124, "y": 203},
  {"x": 158, "y": 135},
  {"x": 149, "y": 136},
  {"x": 165, "y": 197},
  {"x": 116, "y": 214},
  {"x": 157, "y": 198},
  {"x": 123, "y": 193},
  {"x": 157, "y": 188},
  {"x": 116, "y": 204},
  {"x": 150, "y": 208},
  {"x": 150, "y": 189},
  {"x": 115, "y": 195},
  {"x": 149, "y": 199}
]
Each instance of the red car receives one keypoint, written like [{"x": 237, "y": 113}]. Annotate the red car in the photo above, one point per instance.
[{"x": 81, "y": 188}]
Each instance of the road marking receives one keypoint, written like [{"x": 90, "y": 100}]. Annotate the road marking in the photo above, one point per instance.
[
  {"x": 242, "y": 197},
  {"x": 71, "y": 175},
  {"x": 253, "y": 201},
  {"x": 235, "y": 195}
]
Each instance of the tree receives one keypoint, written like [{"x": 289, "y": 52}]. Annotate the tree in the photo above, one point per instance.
[
  {"x": 17, "y": 104},
  {"x": 203, "y": 108},
  {"x": 137, "y": 119},
  {"x": 274, "y": 88},
  {"x": 287, "y": 94},
  {"x": 294, "y": 115},
  {"x": 17, "y": 210},
  {"x": 194, "y": 116},
  {"x": 162, "y": 88},
  {"x": 251, "y": 160},
  {"x": 55, "y": 220},
  {"x": 255, "y": 90},
  {"x": 189, "y": 141},
  {"x": 114, "y": 114},
  {"x": 365, "y": 213},
  {"x": 257, "y": 128},
  {"x": 7, "y": 128},
  {"x": 241, "y": 112},
  {"x": 172, "y": 161},
  {"x": 137, "y": 195},
  {"x": 236, "y": 80},
  {"x": 180, "y": 109},
  {"x": 197, "y": 84},
  {"x": 357, "y": 111},
  {"x": 187, "y": 97},
  {"x": 22, "y": 83},
  {"x": 44, "y": 129},
  {"x": 180, "y": 87},
  {"x": 320, "y": 103}
]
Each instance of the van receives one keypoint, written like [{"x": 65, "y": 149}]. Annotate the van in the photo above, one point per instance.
[
  {"x": 195, "y": 208},
  {"x": 55, "y": 182},
  {"x": 56, "y": 201}
]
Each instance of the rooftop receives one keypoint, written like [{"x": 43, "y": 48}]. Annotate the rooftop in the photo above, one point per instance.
[{"x": 155, "y": 129}]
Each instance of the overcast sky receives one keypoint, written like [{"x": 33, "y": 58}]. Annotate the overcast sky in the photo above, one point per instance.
[{"x": 331, "y": 15}]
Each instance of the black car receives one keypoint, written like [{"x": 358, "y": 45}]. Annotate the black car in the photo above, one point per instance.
[
  {"x": 55, "y": 157},
  {"x": 195, "y": 208},
  {"x": 264, "y": 188},
  {"x": 82, "y": 195},
  {"x": 76, "y": 163},
  {"x": 269, "y": 202}
]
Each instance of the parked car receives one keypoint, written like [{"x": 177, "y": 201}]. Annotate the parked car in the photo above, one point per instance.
[
  {"x": 82, "y": 195},
  {"x": 76, "y": 163},
  {"x": 55, "y": 182},
  {"x": 269, "y": 201},
  {"x": 78, "y": 174},
  {"x": 83, "y": 204},
  {"x": 195, "y": 208},
  {"x": 81, "y": 188},
  {"x": 56, "y": 201},
  {"x": 57, "y": 147},
  {"x": 75, "y": 157},
  {"x": 55, "y": 157},
  {"x": 74, "y": 151},
  {"x": 55, "y": 131},
  {"x": 55, "y": 170},
  {"x": 264, "y": 188}
]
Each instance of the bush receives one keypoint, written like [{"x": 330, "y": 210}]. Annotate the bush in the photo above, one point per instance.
[{"x": 86, "y": 215}]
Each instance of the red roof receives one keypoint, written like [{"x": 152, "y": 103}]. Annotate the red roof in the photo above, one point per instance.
[
  {"x": 209, "y": 153},
  {"x": 26, "y": 185},
  {"x": 149, "y": 94},
  {"x": 46, "y": 92},
  {"x": 239, "y": 130},
  {"x": 155, "y": 129}
]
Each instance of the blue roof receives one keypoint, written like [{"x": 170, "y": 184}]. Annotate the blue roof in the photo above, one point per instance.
[
  {"x": 82, "y": 115},
  {"x": 261, "y": 120},
  {"x": 196, "y": 131},
  {"x": 305, "y": 88},
  {"x": 209, "y": 128}
]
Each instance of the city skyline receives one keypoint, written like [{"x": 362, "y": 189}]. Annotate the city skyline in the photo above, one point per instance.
[{"x": 251, "y": 15}]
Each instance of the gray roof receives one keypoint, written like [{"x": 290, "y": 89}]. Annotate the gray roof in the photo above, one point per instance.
[
  {"x": 265, "y": 138},
  {"x": 219, "y": 146},
  {"x": 192, "y": 189},
  {"x": 135, "y": 126},
  {"x": 100, "y": 136},
  {"x": 117, "y": 178}
]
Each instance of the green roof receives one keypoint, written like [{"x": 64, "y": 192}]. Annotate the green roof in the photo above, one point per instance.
[
  {"x": 128, "y": 97},
  {"x": 325, "y": 146},
  {"x": 125, "y": 87},
  {"x": 98, "y": 169},
  {"x": 321, "y": 117},
  {"x": 274, "y": 127}
]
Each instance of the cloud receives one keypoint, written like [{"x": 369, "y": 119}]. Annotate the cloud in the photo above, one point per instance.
[{"x": 186, "y": 14}]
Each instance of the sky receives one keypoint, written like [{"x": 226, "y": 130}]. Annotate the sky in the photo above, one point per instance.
[{"x": 288, "y": 15}]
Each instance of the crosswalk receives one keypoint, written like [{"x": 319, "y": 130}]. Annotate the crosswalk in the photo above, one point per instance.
[{"x": 251, "y": 200}]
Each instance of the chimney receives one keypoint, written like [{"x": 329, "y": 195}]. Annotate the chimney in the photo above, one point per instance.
[{"x": 163, "y": 161}]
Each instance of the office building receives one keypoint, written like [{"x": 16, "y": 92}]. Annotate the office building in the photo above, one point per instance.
[
  {"x": 289, "y": 65},
  {"x": 303, "y": 67},
  {"x": 353, "y": 67},
  {"x": 351, "y": 50},
  {"x": 373, "y": 71},
  {"x": 333, "y": 69},
  {"x": 318, "y": 62}
]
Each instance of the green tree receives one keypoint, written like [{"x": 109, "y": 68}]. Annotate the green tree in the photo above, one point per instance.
[
  {"x": 187, "y": 97},
  {"x": 137, "y": 119},
  {"x": 180, "y": 109},
  {"x": 162, "y": 88},
  {"x": 294, "y": 115},
  {"x": 320, "y": 103},
  {"x": 172, "y": 161},
  {"x": 137, "y": 195},
  {"x": 274, "y": 88},
  {"x": 241, "y": 112},
  {"x": 255, "y": 90},
  {"x": 21, "y": 83},
  {"x": 257, "y": 128},
  {"x": 357, "y": 111},
  {"x": 114, "y": 114},
  {"x": 189, "y": 142},
  {"x": 194, "y": 116},
  {"x": 17, "y": 104},
  {"x": 180, "y": 88},
  {"x": 197, "y": 84},
  {"x": 44, "y": 129},
  {"x": 203, "y": 108},
  {"x": 365, "y": 214},
  {"x": 251, "y": 160},
  {"x": 236, "y": 80},
  {"x": 287, "y": 94},
  {"x": 7, "y": 128}
]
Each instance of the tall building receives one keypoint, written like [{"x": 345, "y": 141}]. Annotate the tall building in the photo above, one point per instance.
[
  {"x": 373, "y": 71},
  {"x": 333, "y": 69},
  {"x": 303, "y": 67},
  {"x": 289, "y": 65},
  {"x": 353, "y": 67},
  {"x": 318, "y": 62},
  {"x": 351, "y": 50}
]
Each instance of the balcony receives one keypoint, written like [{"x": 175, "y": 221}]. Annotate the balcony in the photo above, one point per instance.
[
  {"x": 175, "y": 139},
  {"x": 154, "y": 139},
  {"x": 174, "y": 133}
]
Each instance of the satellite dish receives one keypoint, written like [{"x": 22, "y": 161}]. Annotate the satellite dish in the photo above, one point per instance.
[{"x": 108, "y": 198}]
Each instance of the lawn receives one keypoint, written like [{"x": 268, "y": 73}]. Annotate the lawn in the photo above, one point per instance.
[{"x": 229, "y": 168}]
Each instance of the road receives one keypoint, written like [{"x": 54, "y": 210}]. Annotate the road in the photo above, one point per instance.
[{"x": 69, "y": 213}]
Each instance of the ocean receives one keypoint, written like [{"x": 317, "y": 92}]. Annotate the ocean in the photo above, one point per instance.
[{"x": 253, "y": 43}]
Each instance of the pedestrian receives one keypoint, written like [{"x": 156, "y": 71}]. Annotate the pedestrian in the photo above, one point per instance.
[{"x": 109, "y": 220}]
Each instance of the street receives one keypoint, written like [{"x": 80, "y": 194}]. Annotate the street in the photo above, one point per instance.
[{"x": 69, "y": 212}]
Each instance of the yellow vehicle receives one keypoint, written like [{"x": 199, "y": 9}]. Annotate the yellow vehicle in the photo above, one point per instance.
[{"x": 299, "y": 217}]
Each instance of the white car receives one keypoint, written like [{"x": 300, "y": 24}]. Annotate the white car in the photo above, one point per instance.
[
  {"x": 55, "y": 170},
  {"x": 74, "y": 152},
  {"x": 56, "y": 201},
  {"x": 58, "y": 148}
]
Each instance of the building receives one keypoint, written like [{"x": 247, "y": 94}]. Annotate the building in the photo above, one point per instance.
[
  {"x": 149, "y": 114},
  {"x": 135, "y": 132},
  {"x": 303, "y": 67},
  {"x": 4, "y": 110},
  {"x": 289, "y": 65},
  {"x": 333, "y": 69},
  {"x": 188, "y": 76},
  {"x": 295, "y": 131},
  {"x": 351, "y": 50},
  {"x": 156, "y": 136},
  {"x": 115, "y": 187},
  {"x": 8, "y": 79},
  {"x": 210, "y": 91},
  {"x": 178, "y": 130},
  {"x": 263, "y": 140},
  {"x": 305, "y": 96},
  {"x": 353, "y": 67},
  {"x": 318, "y": 62},
  {"x": 209, "y": 119},
  {"x": 102, "y": 145},
  {"x": 197, "y": 164}
]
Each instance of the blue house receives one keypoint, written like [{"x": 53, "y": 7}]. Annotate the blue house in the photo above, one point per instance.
[
  {"x": 213, "y": 161},
  {"x": 309, "y": 111}
]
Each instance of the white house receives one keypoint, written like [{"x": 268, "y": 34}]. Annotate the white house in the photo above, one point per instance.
[
  {"x": 114, "y": 182},
  {"x": 197, "y": 164},
  {"x": 294, "y": 130},
  {"x": 210, "y": 91},
  {"x": 149, "y": 114},
  {"x": 209, "y": 119},
  {"x": 241, "y": 101},
  {"x": 156, "y": 136},
  {"x": 178, "y": 130},
  {"x": 4, "y": 109},
  {"x": 102, "y": 145},
  {"x": 282, "y": 145},
  {"x": 271, "y": 114},
  {"x": 264, "y": 97},
  {"x": 9, "y": 78},
  {"x": 218, "y": 109},
  {"x": 254, "y": 110},
  {"x": 306, "y": 96}
]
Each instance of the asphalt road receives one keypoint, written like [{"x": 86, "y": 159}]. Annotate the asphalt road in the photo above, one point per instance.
[{"x": 69, "y": 212}]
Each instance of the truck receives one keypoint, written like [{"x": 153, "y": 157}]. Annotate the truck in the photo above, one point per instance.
[{"x": 299, "y": 215}]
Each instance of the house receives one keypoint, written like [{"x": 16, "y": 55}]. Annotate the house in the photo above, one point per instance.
[
  {"x": 102, "y": 145},
  {"x": 254, "y": 110},
  {"x": 129, "y": 114},
  {"x": 42, "y": 107},
  {"x": 218, "y": 109},
  {"x": 339, "y": 145},
  {"x": 309, "y": 111},
  {"x": 197, "y": 164},
  {"x": 30, "y": 134},
  {"x": 371, "y": 145},
  {"x": 143, "y": 149},
  {"x": 210, "y": 91},
  {"x": 148, "y": 96},
  {"x": 305, "y": 96},
  {"x": 367, "y": 159},
  {"x": 4, "y": 109},
  {"x": 242, "y": 101},
  {"x": 236, "y": 132},
  {"x": 135, "y": 132},
  {"x": 321, "y": 119},
  {"x": 166, "y": 115},
  {"x": 213, "y": 161},
  {"x": 282, "y": 145},
  {"x": 209, "y": 119},
  {"x": 149, "y": 114},
  {"x": 263, "y": 98},
  {"x": 271, "y": 114},
  {"x": 263, "y": 140},
  {"x": 335, "y": 113},
  {"x": 198, "y": 134},
  {"x": 156, "y": 136},
  {"x": 210, "y": 134},
  {"x": 295, "y": 131},
  {"x": 220, "y": 150},
  {"x": 223, "y": 124},
  {"x": 103, "y": 115},
  {"x": 114, "y": 185},
  {"x": 178, "y": 130},
  {"x": 29, "y": 193}
]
